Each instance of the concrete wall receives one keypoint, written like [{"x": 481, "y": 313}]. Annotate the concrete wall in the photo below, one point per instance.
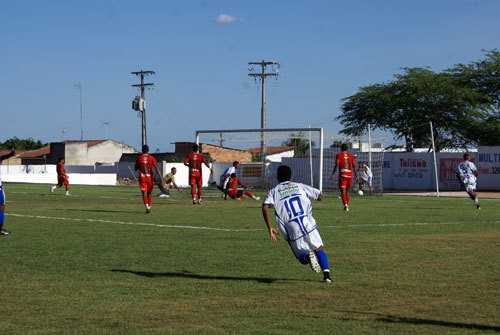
[
  {"x": 46, "y": 174},
  {"x": 107, "y": 152}
]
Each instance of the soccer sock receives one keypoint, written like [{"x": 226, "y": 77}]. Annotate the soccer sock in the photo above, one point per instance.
[
  {"x": 193, "y": 192},
  {"x": 343, "y": 199},
  {"x": 473, "y": 196},
  {"x": 145, "y": 200},
  {"x": 1, "y": 219},
  {"x": 199, "y": 192},
  {"x": 322, "y": 260},
  {"x": 249, "y": 194},
  {"x": 150, "y": 198},
  {"x": 347, "y": 199}
]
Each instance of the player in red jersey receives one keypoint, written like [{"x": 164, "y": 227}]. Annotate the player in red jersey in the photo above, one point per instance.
[
  {"x": 145, "y": 163},
  {"x": 62, "y": 177},
  {"x": 232, "y": 188},
  {"x": 194, "y": 161},
  {"x": 346, "y": 164}
]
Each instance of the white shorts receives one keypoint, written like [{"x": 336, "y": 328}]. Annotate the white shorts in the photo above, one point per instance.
[
  {"x": 306, "y": 243},
  {"x": 470, "y": 184}
]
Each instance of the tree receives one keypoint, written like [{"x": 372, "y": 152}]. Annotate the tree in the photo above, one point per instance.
[
  {"x": 22, "y": 144},
  {"x": 299, "y": 142},
  {"x": 406, "y": 105}
]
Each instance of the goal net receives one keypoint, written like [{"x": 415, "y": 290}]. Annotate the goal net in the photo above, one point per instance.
[{"x": 305, "y": 150}]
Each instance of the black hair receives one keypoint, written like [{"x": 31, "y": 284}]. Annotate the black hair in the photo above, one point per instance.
[
  {"x": 233, "y": 175},
  {"x": 284, "y": 173},
  {"x": 195, "y": 147},
  {"x": 465, "y": 156},
  {"x": 235, "y": 163},
  {"x": 145, "y": 149},
  {"x": 61, "y": 159},
  {"x": 344, "y": 147},
  {"x": 172, "y": 169}
]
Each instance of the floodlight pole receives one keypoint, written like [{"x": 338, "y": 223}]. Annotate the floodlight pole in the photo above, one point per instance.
[
  {"x": 263, "y": 76},
  {"x": 435, "y": 162},
  {"x": 142, "y": 85},
  {"x": 79, "y": 87}
]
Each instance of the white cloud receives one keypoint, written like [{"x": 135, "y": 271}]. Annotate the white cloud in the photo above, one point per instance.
[{"x": 225, "y": 18}]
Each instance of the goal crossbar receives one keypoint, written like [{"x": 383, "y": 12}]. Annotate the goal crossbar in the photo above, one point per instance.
[{"x": 270, "y": 130}]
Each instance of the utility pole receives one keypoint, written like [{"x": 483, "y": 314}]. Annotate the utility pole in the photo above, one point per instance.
[
  {"x": 106, "y": 125},
  {"x": 142, "y": 105},
  {"x": 262, "y": 77},
  {"x": 79, "y": 86}
]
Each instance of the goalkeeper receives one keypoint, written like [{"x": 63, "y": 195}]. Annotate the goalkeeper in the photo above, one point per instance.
[{"x": 169, "y": 183}]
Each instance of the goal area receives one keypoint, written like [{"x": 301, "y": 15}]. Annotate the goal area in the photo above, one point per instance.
[{"x": 261, "y": 151}]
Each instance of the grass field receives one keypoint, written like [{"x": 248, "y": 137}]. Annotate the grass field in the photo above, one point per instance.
[{"x": 94, "y": 263}]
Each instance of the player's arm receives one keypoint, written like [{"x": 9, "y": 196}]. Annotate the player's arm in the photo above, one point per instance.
[
  {"x": 320, "y": 197},
  {"x": 159, "y": 174},
  {"x": 208, "y": 166},
  {"x": 459, "y": 179},
  {"x": 272, "y": 231},
  {"x": 334, "y": 170},
  {"x": 10, "y": 154}
]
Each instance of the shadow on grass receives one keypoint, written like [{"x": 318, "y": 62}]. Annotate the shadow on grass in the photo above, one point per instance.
[
  {"x": 195, "y": 276},
  {"x": 417, "y": 321}
]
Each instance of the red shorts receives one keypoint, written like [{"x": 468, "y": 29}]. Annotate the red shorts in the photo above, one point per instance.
[
  {"x": 146, "y": 186},
  {"x": 235, "y": 194},
  {"x": 345, "y": 183},
  {"x": 195, "y": 180},
  {"x": 62, "y": 181}
]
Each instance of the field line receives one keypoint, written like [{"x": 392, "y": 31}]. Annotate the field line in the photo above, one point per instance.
[
  {"x": 241, "y": 230},
  {"x": 128, "y": 223}
]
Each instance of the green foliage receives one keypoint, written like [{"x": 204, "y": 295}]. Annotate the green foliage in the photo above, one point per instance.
[
  {"x": 22, "y": 144},
  {"x": 338, "y": 144},
  {"x": 94, "y": 263},
  {"x": 460, "y": 102},
  {"x": 299, "y": 142}
]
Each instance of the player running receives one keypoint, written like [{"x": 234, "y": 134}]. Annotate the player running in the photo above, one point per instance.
[
  {"x": 346, "y": 164},
  {"x": 467, "y": 176},
  {"x": 293, "y": 212},
  {"x": 365, "y": 177},
  {"x": 144, "y": 164},
  {"x": 194, "y": 161},
  {"x": 62, "y": 177},
  {"x": 232, "y": 188},
  {"x": 2, "y": 194}
]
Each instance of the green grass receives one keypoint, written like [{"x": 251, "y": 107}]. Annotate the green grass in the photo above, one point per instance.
[{"x": 94, "y": 263}]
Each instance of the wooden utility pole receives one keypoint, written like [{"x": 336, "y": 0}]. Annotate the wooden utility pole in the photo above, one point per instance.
[
  {"x": 263, "y": 76},
  {"x": 142, "y": 85}
]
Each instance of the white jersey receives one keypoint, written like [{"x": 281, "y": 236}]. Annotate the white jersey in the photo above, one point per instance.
[
  {"x": 293, "y": 208},
  {"x": 226, "y": 172},
  {"x": 365, "y": 173},
  {"x": 467, "y": 172}
]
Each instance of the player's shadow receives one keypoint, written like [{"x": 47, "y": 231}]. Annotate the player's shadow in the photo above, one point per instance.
[
  {"x": 417, "y": 321},
  {"x": 203, "y": 277}
]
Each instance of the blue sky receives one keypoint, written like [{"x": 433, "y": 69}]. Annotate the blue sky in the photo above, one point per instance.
[{"x": 327, "y": 49}]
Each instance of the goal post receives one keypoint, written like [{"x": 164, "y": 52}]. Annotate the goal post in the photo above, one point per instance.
[
  {"x": 301, "y": 133},
  {"x": 310, "y": 152}
]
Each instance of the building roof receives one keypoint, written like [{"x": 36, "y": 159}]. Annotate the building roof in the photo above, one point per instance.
[
  {"x": 45, "y": 151},
  {"x": 271, "y": 150}
]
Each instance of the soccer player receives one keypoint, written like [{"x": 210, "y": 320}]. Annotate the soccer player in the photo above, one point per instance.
[
  {"x": 62, "y": 177},
  {"x": 365, "y": 176},
  {"x": 170, "y": 182},
  {"x": 346, "y": 164},
  {"x": 293, "y": 212},
  {"x": 2, "y": 195},
  {"x": 194, "y": 161},
  {"x": 232, "y": 188},
  {"x": 145, "y": 163},
  {"x": 467, "y": 176},
  {"x": 224, "y": 177}
]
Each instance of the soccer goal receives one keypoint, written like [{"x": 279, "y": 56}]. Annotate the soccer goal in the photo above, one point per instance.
[{"x": 310, "y": 152}]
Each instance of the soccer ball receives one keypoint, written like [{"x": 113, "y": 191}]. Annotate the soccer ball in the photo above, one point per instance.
[{"x": 360, "y": 192}]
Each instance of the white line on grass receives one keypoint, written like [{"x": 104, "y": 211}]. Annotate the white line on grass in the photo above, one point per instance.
[
  {"x": 242, "y": 230},
  {"x": 129, "y": 223}
]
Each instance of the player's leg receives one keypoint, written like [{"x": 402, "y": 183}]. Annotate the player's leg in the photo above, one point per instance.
[
  {"x": 199, "y": 182},
  {"x": 66, "y": 183},
  {"x": 370, "y": 187},
  {"x": 192, "y": 183},
  {"x": 248, "y": 194},
  {"x": 471, "y": 190},
  {"x": 316, "y": 243},
  {"x": 343, "y": 186},
  {"x": 347, "y": 189},
  {"x": 2, "y": 210},
  {"x": 304, "y": 254}
]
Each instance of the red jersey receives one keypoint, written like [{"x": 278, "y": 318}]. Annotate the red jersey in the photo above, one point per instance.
[
  {"x": 345, "y": 162},
  {"x": 195, "y": 160},
  {"x": 232, "y": 184},
  {"x": 61, "y": 170},
  {"x": 144, "y": 164}
]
